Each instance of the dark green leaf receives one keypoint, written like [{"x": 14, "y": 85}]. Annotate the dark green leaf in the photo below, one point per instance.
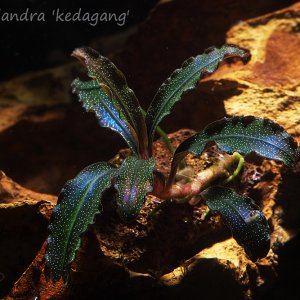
[
  {"x": 113, "y": 82},
  {"x": 134, "y": 180},
  {"x": 94, "y": 99},
  {"x": 244, "y": 135},
  {"x": 185, "y": 79},
  {"x": 79, "y": 201},
  {"x": 246, "y": 221}
]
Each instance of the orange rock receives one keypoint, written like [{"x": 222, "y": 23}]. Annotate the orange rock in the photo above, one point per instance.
[{"x": 268, "y": 86}]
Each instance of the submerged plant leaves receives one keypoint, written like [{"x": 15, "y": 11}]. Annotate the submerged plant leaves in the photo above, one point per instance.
[
  {"x": 114, "y": 84},
  {"x": 94, "y": 99},
  {"x": 134, "y": 181},
  {"x": 246, "y": 221},
  {"x": 244, "y": 135},
  {"x": 79, "y": 201},
  {"x": 186, "y": 78}
]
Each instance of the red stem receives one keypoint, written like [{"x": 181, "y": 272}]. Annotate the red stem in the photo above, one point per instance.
[{"x": 201, "y": 181}]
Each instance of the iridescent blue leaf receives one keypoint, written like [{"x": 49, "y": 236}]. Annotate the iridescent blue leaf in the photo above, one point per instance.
[
  {"x": 185, "y": 79},
  {"x": 246, "y": 221},
  {"x": 94, "y": 99},
  {"x": 78, "y": 203},
  {"x": 244, "y": 135},
  {"x": 133, "y": 182},
  {"x": 114, "y": 84}
]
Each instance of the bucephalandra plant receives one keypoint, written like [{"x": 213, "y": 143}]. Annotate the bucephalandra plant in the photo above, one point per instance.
[{"x": 116, "y": 107}]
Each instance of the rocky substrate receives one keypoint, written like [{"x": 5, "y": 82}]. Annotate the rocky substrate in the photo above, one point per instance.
[{"x": 175, "y": 254}]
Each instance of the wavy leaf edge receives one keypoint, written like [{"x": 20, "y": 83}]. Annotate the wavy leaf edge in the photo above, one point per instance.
[
  {"x": 113, "y": 82},
  {"x": 133, "y": 188},
  {"x": 106, "y": 113},
  {"x": 290, "y": 147},
  {"x": 246, "y": 221},
  {"x": 244, "y": 55},
  {"x": 64, "y": 269}
]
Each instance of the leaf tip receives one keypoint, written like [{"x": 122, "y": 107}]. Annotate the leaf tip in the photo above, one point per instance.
[
  {"x": 244, "y": 54},
  {"x": 84, "y": 54}
]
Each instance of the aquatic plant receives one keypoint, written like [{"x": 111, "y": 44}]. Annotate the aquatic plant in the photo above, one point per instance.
[{"x": 116, "y": 107}]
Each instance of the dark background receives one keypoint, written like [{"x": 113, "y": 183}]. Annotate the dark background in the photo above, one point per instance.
[
  {"x": 26, "y": 46},
  {"x": 35, "y": 45}
]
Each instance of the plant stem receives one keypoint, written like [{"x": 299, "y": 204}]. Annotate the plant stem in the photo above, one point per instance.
[
  {"x": 166, "y": 140},
  {"x": 164, "y": 137},
  {"x": 203, "y": 179},
  {"x": 239, "y": 167}
]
